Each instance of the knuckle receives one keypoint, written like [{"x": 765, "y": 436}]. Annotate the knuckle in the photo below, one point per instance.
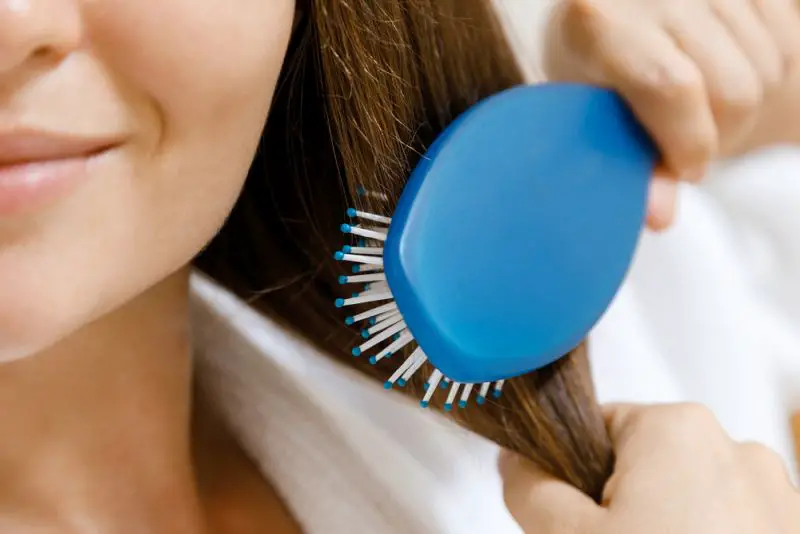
[
  {"x": 689, "y": 417},
  {"x": 740, "y": 100},
  {"x": 700, "y": 151},
  {"x": 689, "y": 85},
  {"x": 763, "y": 455},
  {"x": 772, "y": 76},
  {"x": 586, "y": 18}
]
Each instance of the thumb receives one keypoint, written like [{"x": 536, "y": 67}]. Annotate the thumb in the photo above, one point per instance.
[{"x": 542, "y": 504}]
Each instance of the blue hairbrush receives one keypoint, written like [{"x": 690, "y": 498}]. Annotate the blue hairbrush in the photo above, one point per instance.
[{"x": 508, "y": 243}]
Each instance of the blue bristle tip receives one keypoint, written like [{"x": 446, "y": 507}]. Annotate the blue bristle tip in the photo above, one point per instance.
[
  {"x": 347, "y": 249},
  {"x": 362, "y": 242},
  {"x": 462, "y": 404},
  {"x": 373, "y": 321},
  {"x": 356, "y": 268},
  {"x": 481, "y": 400},
  {"x": 365, "y": 334},
  {"x": 349, "y": 321},
  {"x": 423, "y": 404},
  {"x": 395, "y": 337},
  {"x": 443, "y": 384},
  {"x": 346, "y": 228},
  {"x": 351, "y": 212},
  {"x": 496, "y": 393},
  {"x": 339, "y": 256},
  {"x": 373, "y": 360},
  {"x": 401, "y": 382},
  {"x": 339, "y": 303},
  {"x": 448, "y": 407},
  {"x": 355, "y": 294},
  {"x": 343, "y": 279},
  {"x": 426, "y": 386},
  {"x": 387, "y": 385},
  {"x": 356, "y": 351}
]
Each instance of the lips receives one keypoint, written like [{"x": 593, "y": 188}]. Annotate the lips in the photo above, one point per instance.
[
  {"x": 21, "y": 146},
  {"x": 38, "y": 167}
]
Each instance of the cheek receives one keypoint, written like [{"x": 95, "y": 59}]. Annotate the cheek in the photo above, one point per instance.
[
  {"x": 196, "y": 78},
  {"x": 209, "y": 69}
]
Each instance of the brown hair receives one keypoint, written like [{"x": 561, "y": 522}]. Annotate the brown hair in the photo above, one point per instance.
[{"x": 364, "y": 90}]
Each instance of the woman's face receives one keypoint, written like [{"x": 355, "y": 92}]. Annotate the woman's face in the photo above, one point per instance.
[{"x": 126, "y": 131}]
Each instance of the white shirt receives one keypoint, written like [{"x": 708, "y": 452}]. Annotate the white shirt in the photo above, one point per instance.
[{"x": 709, "y": 313}]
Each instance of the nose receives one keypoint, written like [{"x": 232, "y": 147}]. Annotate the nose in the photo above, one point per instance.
[{"x": 31, "y": 29}]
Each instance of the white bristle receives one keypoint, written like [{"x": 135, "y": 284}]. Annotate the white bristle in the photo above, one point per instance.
[
  {"x": 386, "y": 332},
  {"x": 379, "y": 285},
  {"x": 363, "y": 299},
  {"x": 357, "y": 278},
  {"x": 365, "y": 268},
  {"x": 483, "y": 392},
  {"x": 372, "y": 228},
  {"x": 432, "y": 384},
  {"x": 417, "y": 358},
  {"x": 355, "y": 230},
  {"x": 415, "y": 367},
  {"x": 383, "y": 325},
  {"x": 369, "y": 251},
  {"x": 382, "y": 336},
  {"x": 384, "y": 316},
  {"x": 451, "y": 396},
  {"x": 401, "y": 342},
  {"x": 355, "y": 258},
  {"x": 498, "y": 388},
  {"x": 375, "y": 311},
  {"x": 465, "y": 395},
  {"x": 369, "y": 216}
]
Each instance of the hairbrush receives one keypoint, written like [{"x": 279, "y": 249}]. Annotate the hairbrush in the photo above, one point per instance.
[{"x": 508, "y": 243}]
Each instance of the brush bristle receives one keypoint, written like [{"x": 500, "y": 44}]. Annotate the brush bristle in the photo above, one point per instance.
[{"x": 382, "y": 326}]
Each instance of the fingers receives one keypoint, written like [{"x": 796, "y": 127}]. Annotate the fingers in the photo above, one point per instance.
[
  {"x": 754, "y": 37},
  {"x": 733, "y": 86},
  {"x": 676, "y": 428},
  {"x": 661, "y": 203},
  {"x": 543, "y": 504},
  {"x": 666, "y": 90},
  {"x": 782, "y": 18}
]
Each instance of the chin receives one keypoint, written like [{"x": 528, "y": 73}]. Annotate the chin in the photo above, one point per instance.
[{"x": 33, "y": 321}]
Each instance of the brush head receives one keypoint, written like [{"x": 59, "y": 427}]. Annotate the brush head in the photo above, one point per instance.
[{"x": 517, "y": 228}]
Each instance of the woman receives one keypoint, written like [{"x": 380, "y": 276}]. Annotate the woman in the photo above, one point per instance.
[{"x": 126, "y": 134}]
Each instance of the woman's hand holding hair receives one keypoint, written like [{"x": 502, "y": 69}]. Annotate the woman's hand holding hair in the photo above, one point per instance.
[
  {"x": 677, "y": 472},
  {"x": 707, "y": 78}
]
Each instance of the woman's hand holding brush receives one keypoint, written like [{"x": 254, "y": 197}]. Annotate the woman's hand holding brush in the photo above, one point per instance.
[{"x": 707, "y": 78}]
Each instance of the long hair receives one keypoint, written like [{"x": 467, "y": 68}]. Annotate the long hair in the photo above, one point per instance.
[{"x": 365, "y": 88}]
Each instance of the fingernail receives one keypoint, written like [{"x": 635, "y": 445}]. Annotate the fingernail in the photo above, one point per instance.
[{"x": 661, "y": 203}]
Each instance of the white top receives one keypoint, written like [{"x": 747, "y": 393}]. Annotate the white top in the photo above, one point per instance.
[{"x": 709, "y": 313}]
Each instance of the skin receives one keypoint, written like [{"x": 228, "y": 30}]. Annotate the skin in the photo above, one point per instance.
[
  {"x": 677, "y": 472},
  {"x": 94, "y": 286},
  {"x": 707, "y": 78}
]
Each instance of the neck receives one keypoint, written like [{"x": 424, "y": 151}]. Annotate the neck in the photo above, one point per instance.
[{"x": 96, "y": 429}]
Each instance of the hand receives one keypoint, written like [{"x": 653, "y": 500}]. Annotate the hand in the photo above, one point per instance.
[
  {"x": 699, "y": 74},
  {"x": 677, "y": 472}
]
